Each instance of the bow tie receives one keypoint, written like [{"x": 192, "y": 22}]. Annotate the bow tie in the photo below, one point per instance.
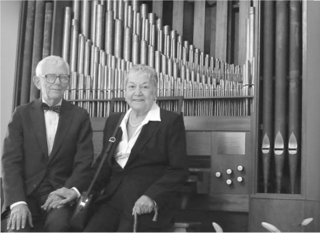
[{"x": 56, "y": 109}]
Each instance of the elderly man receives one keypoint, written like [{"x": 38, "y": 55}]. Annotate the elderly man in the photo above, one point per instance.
[{"x": 48, "y": 147}]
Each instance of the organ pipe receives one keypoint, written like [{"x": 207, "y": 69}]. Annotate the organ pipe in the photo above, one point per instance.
[
  {"x": 280, "y": 130},
  {"x": 94, "y": 4},
  {"x": 85, "y": 18},
  {"x": 127, "y": 44},
  {"x": 47, "y": 30},
  {"x": 118, "y": 38},
  {"x": 87, "y": 55},
  {"x": 100, "y": 20},
  {"x": 37, "y": 45},
  {"x": 294, "y": 126},
  {"x": 66, "y": 35},
  {"x": 268, "y": 91},
  {"x": 74, "y": 45},
  {"x": 135, "y": 49},
  {"x": 81, "y": 49},
  {"x": 109, "y": 33},
  {"x": 27, "y": 54}
]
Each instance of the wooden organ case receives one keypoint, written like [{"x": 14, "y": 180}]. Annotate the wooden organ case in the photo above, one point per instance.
[{"x": 229, "y": 64}]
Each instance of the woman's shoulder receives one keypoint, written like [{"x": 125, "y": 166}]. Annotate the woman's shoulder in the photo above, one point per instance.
[
  {"x": 114, "y": 117},
  {"x": 112, "y": 120},
  {"x": 169, "y": 115}
]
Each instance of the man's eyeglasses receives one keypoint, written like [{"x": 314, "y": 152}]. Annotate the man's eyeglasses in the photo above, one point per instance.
[{"x": 51, "y": 78}]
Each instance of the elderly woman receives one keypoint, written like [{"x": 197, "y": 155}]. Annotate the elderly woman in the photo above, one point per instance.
[{"x": 147, "y": 165}]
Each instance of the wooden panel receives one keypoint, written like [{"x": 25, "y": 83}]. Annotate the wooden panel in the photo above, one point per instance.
[
  {"x": 312, "y": 210},
  {"x": 225, "y": 202},
  {"x": 222, "y": 162},
  {"x": 203, "y": 186},
  {"x": 311, "y": 110},
  {"x": 157, "y": 8},
  {"x": 198, "y": 143},
  {"x": 188, "y": 21},
  {"x": 57, "y": 29},
  {"x": 97, "y": 142},
  {"x": 221, "y": 34},
  {"x": 217, "y": 123},
  {"x": 219, "y": 185},
  {"x": 201, "y": 178},
  {"x": 97, "y": 123},
  {"x": 177, "y": 16},
  {"x": 199, "y": 24},
  {"x": 197, "y": 123},
  {"x": 229, "y": 221},
  {"x": 284, "y": 214},
  {"x": 243, "y": 16},
  {"x": 249, "y": 162},
  {"x": 277, "y": 196}
]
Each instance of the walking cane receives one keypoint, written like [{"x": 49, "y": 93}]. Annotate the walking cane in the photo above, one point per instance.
[{"x": 135, "y": 223}]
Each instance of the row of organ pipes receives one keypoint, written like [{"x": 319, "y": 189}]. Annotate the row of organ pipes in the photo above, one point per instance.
[
  {"x": 103, "y": 39},
  {"x": 281, "y": 97}
]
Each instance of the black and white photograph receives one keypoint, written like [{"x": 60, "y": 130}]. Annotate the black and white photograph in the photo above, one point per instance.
[{"x": 160, "y": 115}]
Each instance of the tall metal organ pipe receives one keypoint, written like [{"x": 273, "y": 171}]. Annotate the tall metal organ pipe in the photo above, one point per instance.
[
  {"x": 280, "y": 129},
  {"x": 268, "y": 92},
  {"x": 37, "y": 45},
  {"x": 27, "y": 53},
  {"x": 66, "y": 35},
  {"x": 109, "y": 33},
  {"x": 294, "y": 126}
]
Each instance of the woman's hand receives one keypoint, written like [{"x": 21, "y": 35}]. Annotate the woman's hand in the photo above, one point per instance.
[{"x": 143, "y": 205}]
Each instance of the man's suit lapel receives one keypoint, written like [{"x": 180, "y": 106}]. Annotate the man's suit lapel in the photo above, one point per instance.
[
  {"x": 65, "y": 119},
  {"x": 39, "y": 125},
  {"x": 145, "y": 134}
]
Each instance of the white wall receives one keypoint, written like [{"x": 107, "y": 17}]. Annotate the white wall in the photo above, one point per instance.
[{"x": 10, "y": 11}]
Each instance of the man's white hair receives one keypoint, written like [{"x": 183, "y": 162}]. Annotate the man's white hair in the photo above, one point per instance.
[{"x": 52, "y": 61}]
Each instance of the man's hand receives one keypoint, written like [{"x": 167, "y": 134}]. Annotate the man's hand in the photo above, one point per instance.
[
  {"x": 52, "y": 202},
  {"x": 19, "y": 215},
  {"x": 143, "y": 205},
  {"x": 59, "y": 198}
]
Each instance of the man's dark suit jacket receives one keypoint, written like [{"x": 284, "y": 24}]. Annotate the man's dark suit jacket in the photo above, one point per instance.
[
  {"x": 157, "y": 166},
  {"x": 25, "y": 157}
]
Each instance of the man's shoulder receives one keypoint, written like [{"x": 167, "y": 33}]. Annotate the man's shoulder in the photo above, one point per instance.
[{"x": 26, "y": 106}]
